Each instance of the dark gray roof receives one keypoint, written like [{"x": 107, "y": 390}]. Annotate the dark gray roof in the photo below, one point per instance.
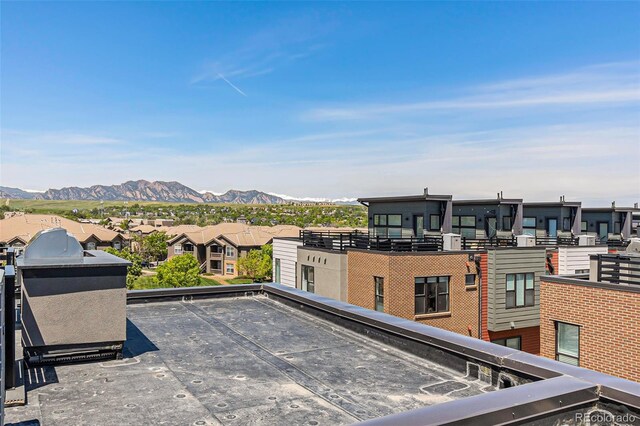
[{"x": 405, "y": 198}]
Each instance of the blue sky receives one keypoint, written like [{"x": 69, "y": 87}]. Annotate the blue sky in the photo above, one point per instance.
[{"x": 325, "y": 99}]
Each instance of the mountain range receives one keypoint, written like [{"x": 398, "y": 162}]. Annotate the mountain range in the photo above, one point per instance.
[{"x": 142, "y": 190}]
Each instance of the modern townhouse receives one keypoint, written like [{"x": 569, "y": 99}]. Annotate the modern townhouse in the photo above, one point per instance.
[
  {"x": 591, "y": 320},
  {"x": 493, "y": 218},
  {"x": 548, "y": 221},
  {"x": 611, "y": 225}
]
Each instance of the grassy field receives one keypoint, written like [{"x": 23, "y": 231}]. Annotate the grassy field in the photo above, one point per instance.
[{"x": 146, "y": 282}]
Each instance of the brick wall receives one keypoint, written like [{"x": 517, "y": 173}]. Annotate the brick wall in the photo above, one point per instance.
[
  {"x": 529, "y": 338},
  {"x": 553, "y": 254},
  {"x": 485, "y": 295},
  {"x": 609, "y": 320},
  {"x": 399, "y": 271}
]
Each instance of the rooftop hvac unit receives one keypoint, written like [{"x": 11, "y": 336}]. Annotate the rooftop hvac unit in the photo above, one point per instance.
[
  {"x": 451, "y": 242},
  {"x": 586, "y": 240},
  {"x": 526, "y": 241},
  {"x": 73, "y": 301}
]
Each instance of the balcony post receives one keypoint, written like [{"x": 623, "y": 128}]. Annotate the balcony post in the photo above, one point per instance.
[{"x": 10, "y": 325}]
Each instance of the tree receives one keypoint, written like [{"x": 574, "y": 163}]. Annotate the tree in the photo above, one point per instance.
[
  {"x": 134, "y": 270},
  {"x": 179, "y": 271},
  {"x": 154, "y": 246},
  {"x": 257, "y": 263}
]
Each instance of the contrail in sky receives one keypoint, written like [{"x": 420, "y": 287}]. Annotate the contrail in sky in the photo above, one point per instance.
[{"x": 232, "y": 85}]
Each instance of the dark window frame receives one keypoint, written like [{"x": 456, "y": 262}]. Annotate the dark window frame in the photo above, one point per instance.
[
  {"x": 507, "y": 223},
  {"x": 425, "y": 297},
  {"x": 528, "y": 294},
  {"x": 558, "y": 353},
  {"x": 503, "y": 342},
  {"x": 385, "y": 226},
  {"x": 466, "y": 280},
  {"x": 532, "y": 228},
  {"x": 584, "y": 226},
  {"x": 457, "y": 229},
  {"x": 378, "y": 284},
  {"x": 304, "y": 272},
  {"x": 431, "y": 218},
  {"x": 566, "y": 224}
]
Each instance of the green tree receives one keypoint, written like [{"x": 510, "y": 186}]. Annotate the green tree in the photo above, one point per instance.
[
  {"x": 257, "y": 263},
  {"x": 179, "y": 271},
  {"x": 134, "y": 270},
  {"x": 154, "y": 246}
]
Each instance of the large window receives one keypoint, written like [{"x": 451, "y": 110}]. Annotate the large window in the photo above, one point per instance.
[
  {"x": 177, "y": 249},
  {"x": 566, "y": 224},
  {"x": 230, "y": 268},
  {"x": 387, "y": 225},
  {"x": 529, "y": 226},
  {"x": 434, "y": 222},
  {"x": 510, "y": 342},
  {"x": 520, "y": 290},
  {"x": 464, "y": 225},
  {"x": 308, "y": 278},
  {"x": 276, "y": 273},
  {"x": 379, "y": 288},
  {"x": 584, "y": 225},
  {"x": 567, "y": 343},
  {"x": 431, "y": 295},
  {"x": 506, "y": 223},
  {"x": 229, "y": 251}
]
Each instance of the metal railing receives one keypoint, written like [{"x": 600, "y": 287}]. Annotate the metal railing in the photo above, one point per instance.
[
  {"x": 342, "y": 241},
  {"x": 9, "y": 319},
  {"x": 618, "y": 268},
  {"x": 556, "y": 241},
  {"x": 484, "y": 243}
]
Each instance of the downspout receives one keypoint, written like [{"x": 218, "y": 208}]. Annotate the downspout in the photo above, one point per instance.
[{"x": 477, "y": 260}]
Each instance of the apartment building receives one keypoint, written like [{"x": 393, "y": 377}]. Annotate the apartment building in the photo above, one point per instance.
[
  {"x": 552, "y": 220},
  {"x": 218, "y": 247},
  {"x": 609, "y": 224},
  {"x": 593, "y": 321},
  {"x": 17, "y": 230},
  {"x": 498, "y": 218}
]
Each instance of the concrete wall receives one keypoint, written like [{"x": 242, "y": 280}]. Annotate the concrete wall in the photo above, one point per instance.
[
  {"x": 608, "y": 320},
  {"x": 572, "y": 259},
  {"x": 399, "y": 271},
  {"x": 507, "y": 261},
  {"x": 330, "y": 270},
  {"x": 287, "y": 251}
]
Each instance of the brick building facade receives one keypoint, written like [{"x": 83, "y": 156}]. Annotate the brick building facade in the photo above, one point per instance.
[
  {"x": 399, "y": 271},
  {"x": 608, "y": 316}
]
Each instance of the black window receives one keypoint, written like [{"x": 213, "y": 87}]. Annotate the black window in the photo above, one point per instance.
[
  {"x": 308, "y": 278},
  {"x": 470, "y": 279},
  {"x": 616, "y": 227},
  {"x": 529, "y": 226},
  {"x": 431, "y": 295},
  {"x": 506, "y": 223},
  {"x": 520, "y": 290},
  {"x": 464, "y": 225},
  {"x": 566, "y": 224},
  {"x": 434, "y": 222},
  {"x": 510, "y": 342},
  {"x": 568, "y": 343},
  {"x": 387, "y": 225},
  {"x": 379, "y": 289}
]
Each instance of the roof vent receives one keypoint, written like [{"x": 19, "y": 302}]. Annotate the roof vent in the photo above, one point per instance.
[
  {"x": 426, "y": 192},
  {"x": 55, "y": 243}
]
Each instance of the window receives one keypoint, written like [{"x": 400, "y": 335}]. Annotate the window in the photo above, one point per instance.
[
  {"x": 387, "y": 225},
  {"x": 506, "y": 223},
  {"x": 510, "y": 342},
  {"x": 229, "y": 251},
  {"x": 529, "y": 226},
  {"x": 117, "y": 245},
  {"x": 431, "y": 295},
  {"x": 616, "y": 227},
  {"x": 91, "y": 245},
  {"x": 379, "y": 289},
  {"x": 188, "y": 247},
  {"x": 434, "y": 222},
  {"x": 276, "y": 274},
  {"x": 566, "y": 224},
  {"x": 308, "y": 279},
  {"x": 520, "y": 290},
  {"x": 584, "y": 225},
  {"x": 230, "y": 268},
  {"x": 464, "y": 225},
  {"x": 567, "y": 343},
  {"x": 470, "y": 279}
]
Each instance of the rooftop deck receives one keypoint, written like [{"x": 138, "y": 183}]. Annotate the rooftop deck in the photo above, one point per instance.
[
  {"x": 267, "y": 354},
  {"x": 247, "y": 360}
]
